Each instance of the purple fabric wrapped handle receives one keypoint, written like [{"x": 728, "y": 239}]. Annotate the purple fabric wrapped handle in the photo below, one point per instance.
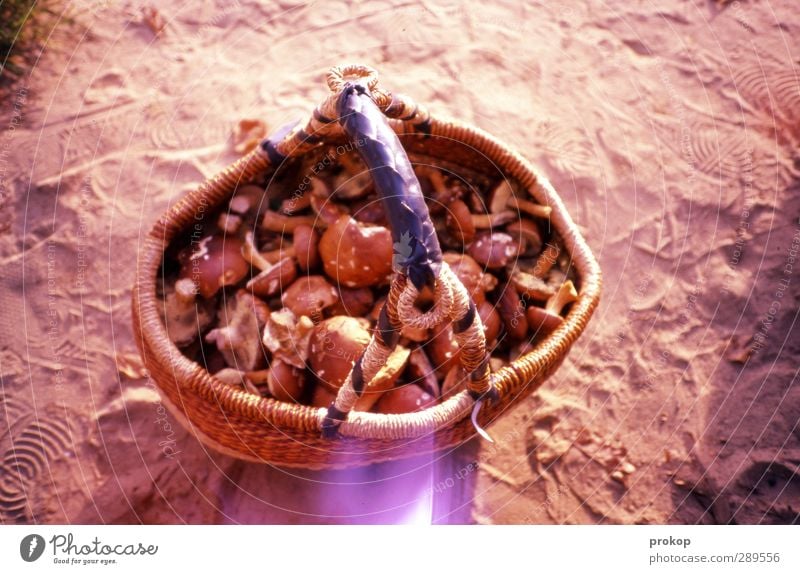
[{"x": 417, "y": 253}]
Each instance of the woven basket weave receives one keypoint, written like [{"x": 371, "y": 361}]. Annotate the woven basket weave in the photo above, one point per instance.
[{"x": 265, "y": 430}]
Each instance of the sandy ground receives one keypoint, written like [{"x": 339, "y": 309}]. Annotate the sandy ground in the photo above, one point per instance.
[{"x": 670, "y": 129}]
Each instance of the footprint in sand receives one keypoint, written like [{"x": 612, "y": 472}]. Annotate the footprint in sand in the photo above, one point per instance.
[
  {"x": 109, "y": 87},
  {"x": 767, "y": 492},
  {"x": 569, "y": 150},
  {"x": 31, "y": 446},
  {"x": 773, "y": 92}
]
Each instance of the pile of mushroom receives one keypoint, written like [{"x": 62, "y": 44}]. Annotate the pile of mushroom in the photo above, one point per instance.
[{"x": 279, "y": 291}]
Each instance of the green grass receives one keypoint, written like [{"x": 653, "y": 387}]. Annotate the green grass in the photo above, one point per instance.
[{"x": 23, "y": 27}]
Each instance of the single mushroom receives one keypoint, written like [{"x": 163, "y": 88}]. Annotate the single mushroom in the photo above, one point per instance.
[
  {"x": 356, "y": 254},
  {"x": 286, "y": 382},
  {"x": 471, "y": 275},
  {"x": 459, "y": 221},
  {"x": 442, "y": 193},
  {"x": 248, "y": 202},
  {"x": 454, "y": 382},
  {"x": 354, "y": 302},
  {"x": 334, "y": 346},
  {"x": 263, "y": 260},
  {"x": 503, "y": 197},
  {"x": 527, "y": 234},
  {"x": 239, "y": 337},
  {"x": 310, "y": 296},
  {"x": 462, "y": 223},
  {"x": 530, "y": 286},
  {"x": 237, "y": 378},
  {"x": 547, "y": 319},
  {"x": 214, "y": 262},
  {"x": 493, "y": 249},
  {"x": 273, "y": 277},
  {"x": 369, "y": 210},
  {"x": 286, "y": 336},
  {"x": 405, "y": 399},
  {"x": 295, "y": 203},
  {"x": 328, "y": 212},
  {"x": 355, "y": 182},
  {"x": 322, "y": 397},
  {"x": 306, "y": 247},
  {"x": 384, "y": 379},
  {"x": 443, "y": 350},
  {"x": 512, "y": 311},
  {"x": 186, "y": 317},
  {"x": 491, "y": 321},
  {"x": 420, "y": 372}
]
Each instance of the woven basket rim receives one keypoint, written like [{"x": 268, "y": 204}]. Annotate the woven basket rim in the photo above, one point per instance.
[{"x": 190, "y": 376}]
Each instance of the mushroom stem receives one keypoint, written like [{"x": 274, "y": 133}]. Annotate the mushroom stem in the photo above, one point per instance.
[
  {"x": 280, "y": 223},
  {"x": 292, "y": 205},
  {"x": 489, "y": 220},
  {"x": 252, "y": 255},
  {"x": 530, "y": 208},
  {"x": 565, "y": 295},
  {"x": 503, "y": 197},
  {"x": 531, "y": 286},
  {"x": 185, "y": 292}
]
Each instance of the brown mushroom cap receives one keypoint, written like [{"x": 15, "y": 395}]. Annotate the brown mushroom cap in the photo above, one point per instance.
[
  {"x": 356, "y": 254},
  {"x": 248, "y": 200},
  {"x": 285, "y": 382},
  {"x": 334, "y": 346},
  {"x": 274, "y": 279},
  {"x": 309, "y": 296},
  {"x": 213, "y": 263},
  {"x": 527, "y": 234},
  {"x": 512, "y": 311},
  {"x": 405, "y": 399},
  {"x": 531, "y": 286},
  {"x": 306, "y": 247},
  {"x": 454, "y": 382},
  {"x": 443, "y": 350},
  {"x": 542, "y": 321},
  {"x": 459, "y": 221},
  {"x": 328, "y": 211},
  {"x": 494, "y": 249},
  {"x": 322, "y": 397},
  {"x": 369, "y": 211},
  {"x": 353, "y": 184},
  {"x": 420, "y": 372},
  {"x": 491, "y": 321},
  {"x": 354, "y": 302},
  {"x": 470, "y": 274}
]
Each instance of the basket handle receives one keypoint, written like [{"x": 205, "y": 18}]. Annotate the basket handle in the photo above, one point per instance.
[{"x": 356, "y": 104}]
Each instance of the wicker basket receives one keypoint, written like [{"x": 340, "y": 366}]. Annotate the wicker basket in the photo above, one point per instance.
[{"x": 265, "y": 430}]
